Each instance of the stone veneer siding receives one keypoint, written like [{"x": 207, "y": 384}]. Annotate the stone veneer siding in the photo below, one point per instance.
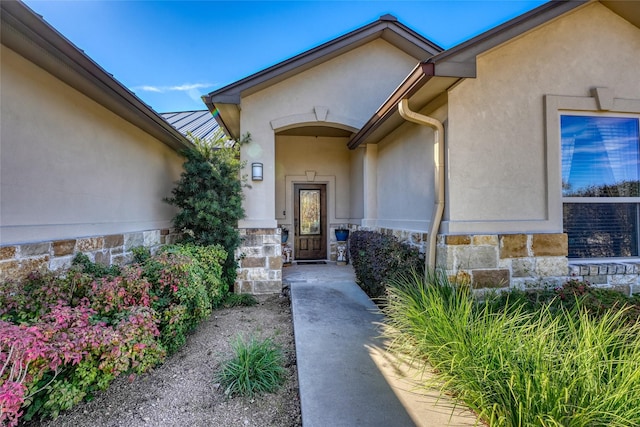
[
  {"x": 623, "y": 276},
  {"x": 520, "y": 261},
  {"x": 259, "y": 261},
  {"x": 18, "y": 260},
  {"x": 505, "y": 260}
]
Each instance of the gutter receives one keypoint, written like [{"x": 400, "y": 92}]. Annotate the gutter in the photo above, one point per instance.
[{"x": 438, "y": 160}]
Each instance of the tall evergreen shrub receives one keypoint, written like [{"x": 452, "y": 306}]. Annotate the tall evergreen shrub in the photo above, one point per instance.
[{"x": 209, "y": 196}]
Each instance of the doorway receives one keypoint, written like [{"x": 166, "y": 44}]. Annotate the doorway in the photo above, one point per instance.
[{"x": 310, "y": 221}]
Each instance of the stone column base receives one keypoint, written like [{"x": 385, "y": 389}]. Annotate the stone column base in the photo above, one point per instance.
[{"x": 259, "y": 261}]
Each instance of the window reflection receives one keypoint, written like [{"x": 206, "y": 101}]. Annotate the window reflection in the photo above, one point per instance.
[
  {"x": 601, "y": 161},
  {"x": 600, "y": 156},
  {"x": 309, "y": 212}
]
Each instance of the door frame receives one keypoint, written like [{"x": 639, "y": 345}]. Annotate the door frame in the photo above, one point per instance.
[
  {"x": 324, "y": 219},
  {"x": 287, "y": 216}
]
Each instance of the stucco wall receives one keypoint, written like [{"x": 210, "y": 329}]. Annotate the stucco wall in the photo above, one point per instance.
[
  {"x": 70, "y": 167},
  {"x": 405, "y": 179},
  {"x": 497, "y": 163},
  {"x": 351, "y": 87},
  {"x": 328, "y": 159},
  {"x": 356, "y": 181}
]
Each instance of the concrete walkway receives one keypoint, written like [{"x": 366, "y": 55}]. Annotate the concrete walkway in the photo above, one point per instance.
[{"x": 346, "y": 377}]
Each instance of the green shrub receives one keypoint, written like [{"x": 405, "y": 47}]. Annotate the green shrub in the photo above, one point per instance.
[
  {"x": 140, "y": 254},
  {"x": 516, "y": 367},
  {"x": 64, "y": 337},
  {"x": 180, "y": 297},
  {"x": 238, "y": 300},
  {"x": 377, "y": 257},
  {"x": 94, "y": 269},
  {"x": 209, "y": 197},
  {"x": 596, "y": 301},
  {"x": 257, "y": 367},
  {"x": 207, "y": 264}
]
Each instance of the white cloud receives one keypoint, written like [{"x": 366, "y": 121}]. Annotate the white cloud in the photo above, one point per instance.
[
  {"x": 187, "y": 87},
  {"x": 148, "y": 88}
]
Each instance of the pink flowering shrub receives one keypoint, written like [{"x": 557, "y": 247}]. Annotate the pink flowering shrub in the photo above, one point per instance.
[
  {"x": 21, "y": 351},
  {"x": 110, "y": 295},
  {"x": 28, "y": 300},
  {"x": 63, "y": 338}
]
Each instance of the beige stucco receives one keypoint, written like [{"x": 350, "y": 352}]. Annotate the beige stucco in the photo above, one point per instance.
[
  {"x": 70, "y": 167},
  {"x": 405, "y": 179},
  {"x": 318, "y": 160},
  {"x": 502, "y": 174},
  {"x": 342, "y": 92}
]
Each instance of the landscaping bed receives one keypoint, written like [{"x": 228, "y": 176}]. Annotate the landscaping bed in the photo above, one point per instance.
[
  {"x": 182, "y": 391},
  {"x": 563, "y": 357},
  {"x": 66, "y": 338}
]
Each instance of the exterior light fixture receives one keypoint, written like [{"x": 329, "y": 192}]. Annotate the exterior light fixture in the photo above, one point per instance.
[{"x": 256, "y": 171}]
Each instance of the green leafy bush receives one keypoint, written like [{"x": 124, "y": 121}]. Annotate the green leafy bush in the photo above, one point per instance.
[
  {"x": 517, "y": 367},
  {"x": 209, "y": 197},
  {"x": 257, "y": 367},
  {"x": 207, "y": 262},
  {"x": 377, "y": 257},
  {"x": 179, "y": 297},
  {"x": 62, "y": 338},
  {"x": 92, "y": 268}
]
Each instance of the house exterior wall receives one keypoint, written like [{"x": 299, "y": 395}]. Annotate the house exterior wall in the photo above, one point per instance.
[
  {"x": 405, "y": 162},
  {"x": 503, "y": 223},
  {"x": 503, "y": 215},
  {"x": 501, "y": 178},
  {"x": 350, "y": 87},
  {"x": 72, "y": 169},
  {"x": 342, "y": 93},
  {"x": 318, "y": 160},
  {"x": 356, "y": 180},
  {"x": 325, "y": 157}
]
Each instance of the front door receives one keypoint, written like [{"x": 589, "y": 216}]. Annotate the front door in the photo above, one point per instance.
[{"x": 310, "y": 221}]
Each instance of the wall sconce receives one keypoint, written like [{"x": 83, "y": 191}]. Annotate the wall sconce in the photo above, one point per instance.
[{"x": 256, "y": 171}]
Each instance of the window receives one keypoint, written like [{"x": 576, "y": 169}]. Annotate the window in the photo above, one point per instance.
[{"x": 601, "y": 185}]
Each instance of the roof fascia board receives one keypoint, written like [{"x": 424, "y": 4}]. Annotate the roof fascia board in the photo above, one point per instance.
[
  {"x": 420, "y": 75},
  {"x": 231, "y": 112},
  {"x": 30, "y": 36},
  {"x": 325, "y": 52},
  {"x": 460, "y": 60}
]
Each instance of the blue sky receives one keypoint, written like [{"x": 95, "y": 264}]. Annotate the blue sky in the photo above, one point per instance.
[{"x": 171, "y": 52}]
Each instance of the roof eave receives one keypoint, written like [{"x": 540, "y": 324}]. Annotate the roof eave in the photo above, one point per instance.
[
  {"x": 29, "y": 35},
  {"x": 460, "y": 61},
  {"x": 227, "y": 114},
  {"x": 418, "y": 77},
  {"x": 386, "y": 28}
]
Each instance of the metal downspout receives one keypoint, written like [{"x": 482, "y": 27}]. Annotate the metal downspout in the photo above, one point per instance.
[{"x": 438, "y": 160}]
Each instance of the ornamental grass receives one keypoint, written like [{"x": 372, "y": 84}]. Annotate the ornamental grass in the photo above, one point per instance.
[
  {"x": 257, "y": 367},
  {"x": 516, "y": 367}
]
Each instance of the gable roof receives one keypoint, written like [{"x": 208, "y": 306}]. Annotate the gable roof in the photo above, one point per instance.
[
  {"x": 199, "y": 123},
  {"x": 26, "y": 33},
  {"x": 432, "y": 77},
  {"x": 224, "y": 102}
]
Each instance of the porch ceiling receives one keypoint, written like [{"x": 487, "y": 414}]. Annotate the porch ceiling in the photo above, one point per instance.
[{"x": 316, "y": 131}]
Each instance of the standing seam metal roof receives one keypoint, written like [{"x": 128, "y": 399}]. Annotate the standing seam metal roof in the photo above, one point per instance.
[{"x": 199, "y": 123}]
